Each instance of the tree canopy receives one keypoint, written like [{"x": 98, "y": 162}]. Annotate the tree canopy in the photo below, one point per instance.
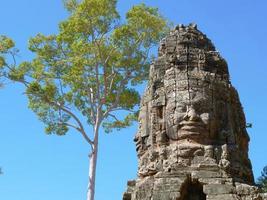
[{"x": 92, "y": 63}]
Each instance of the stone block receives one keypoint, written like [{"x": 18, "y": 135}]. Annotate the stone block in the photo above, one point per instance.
[
  {"x": 263, "y": 196},
  {"x": 244, "y": 189},
  {"x": 223, "y": 197},
  {"x": 205, "y": 174},
  {"x": 204, "y": 181},
  {"x": 213, "y": 189}
]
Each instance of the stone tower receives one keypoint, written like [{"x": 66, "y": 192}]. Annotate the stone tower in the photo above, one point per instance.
[{"x": 192, "y": 142}]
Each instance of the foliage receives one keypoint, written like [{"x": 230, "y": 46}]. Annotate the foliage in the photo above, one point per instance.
[
  {"x": 71, "y": 5},
  {"x": 90, "y": 66},
  {"x": 262, "y": 180},
  {"x": 7, "y": 52}
]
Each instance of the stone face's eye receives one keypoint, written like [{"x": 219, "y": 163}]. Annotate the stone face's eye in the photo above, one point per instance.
[{"x": 181, "y": 108}]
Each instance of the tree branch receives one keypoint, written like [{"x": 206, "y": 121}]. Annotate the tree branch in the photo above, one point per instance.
[
  {"x": 77, "y": 128},
  {"x": 82, "y": 130},
  {"x": 113, "y": 116}
]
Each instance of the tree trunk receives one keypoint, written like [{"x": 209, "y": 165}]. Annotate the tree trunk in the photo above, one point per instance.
[{"x": 92, "y": 168}]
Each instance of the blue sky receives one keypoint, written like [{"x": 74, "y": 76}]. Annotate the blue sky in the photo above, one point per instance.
[{"x": 41, "y": 167}]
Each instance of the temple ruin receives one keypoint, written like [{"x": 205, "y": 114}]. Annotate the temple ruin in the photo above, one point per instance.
[{"x": 192, "y": 142}]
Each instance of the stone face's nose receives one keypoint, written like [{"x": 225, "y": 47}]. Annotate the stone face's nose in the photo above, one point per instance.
[{"x": 191, "y": 114}]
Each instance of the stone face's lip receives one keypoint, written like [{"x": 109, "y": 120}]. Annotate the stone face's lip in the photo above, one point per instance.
[
  {"x": 186, "y": 134},
  {"x": 190, "y": 129},
  {"x": 191, "y": 123},
  {"x": 192, "y": 126}
]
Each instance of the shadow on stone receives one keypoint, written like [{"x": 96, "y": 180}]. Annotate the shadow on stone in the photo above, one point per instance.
[{"x": 192, "y": 191}]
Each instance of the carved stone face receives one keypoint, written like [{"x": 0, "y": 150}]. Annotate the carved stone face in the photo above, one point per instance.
[
  {"x": 193, "y": 120},
  {"x": 197, "y": 114}
]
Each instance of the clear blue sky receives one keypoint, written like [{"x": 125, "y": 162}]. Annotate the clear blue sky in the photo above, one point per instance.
[{"x": 41, "y": 167}]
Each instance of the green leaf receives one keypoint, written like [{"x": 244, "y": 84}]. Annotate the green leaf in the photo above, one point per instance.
[
  {"x": 2, "y": 61},
  {"x": 5, "y": 44}
]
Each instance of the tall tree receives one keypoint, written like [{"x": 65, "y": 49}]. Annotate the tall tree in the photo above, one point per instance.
[
  {"x": 82, "y": 76},
  {"x": 262, "y": 180}
]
